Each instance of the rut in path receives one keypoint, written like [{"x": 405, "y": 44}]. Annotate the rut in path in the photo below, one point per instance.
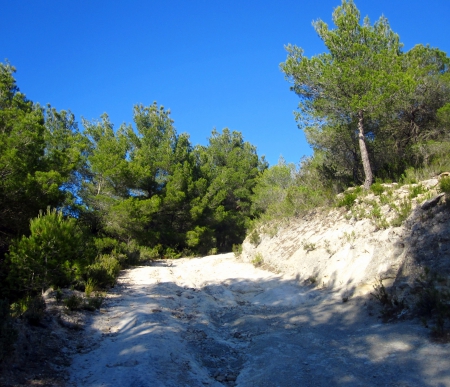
[{"x": 214, "y": 321}]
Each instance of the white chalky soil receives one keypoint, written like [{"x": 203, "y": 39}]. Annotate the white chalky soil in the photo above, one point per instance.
[{"x": 215, "y": 321}]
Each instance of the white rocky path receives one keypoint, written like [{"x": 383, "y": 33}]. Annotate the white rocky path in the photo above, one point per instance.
[{"x": 216, "y": 321}]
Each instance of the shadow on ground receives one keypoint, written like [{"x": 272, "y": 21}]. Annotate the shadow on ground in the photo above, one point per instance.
[{"x": 253, "y": 332}]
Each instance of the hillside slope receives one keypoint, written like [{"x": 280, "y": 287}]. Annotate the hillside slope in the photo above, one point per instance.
[{"x": 350, "y": 249}]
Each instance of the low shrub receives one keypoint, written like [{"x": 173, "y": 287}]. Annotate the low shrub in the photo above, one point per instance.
[
  {"x": 104, "y": 270},
  {"x": 416, "y": 190},
  {"x": 308, "y": 246},
  {"x": 237, "y": 250},
  {"x": 90, "y": 286},
  {"x": 403, "y": 212},
  {"x": 444, "y": 185},
  {"x": 377, "y": 188},
  {"x": 348, "y": 200},
  {"x": 391, "y": 305},
  {"x": 433, "y": 303},
  {"x": 254, "y": 238},
  {"x": 73, "y": 302},
  {"x": 93, "y": 303},
  {"x": 258, "y": 260},
  {"x": 35, "y": 309}
]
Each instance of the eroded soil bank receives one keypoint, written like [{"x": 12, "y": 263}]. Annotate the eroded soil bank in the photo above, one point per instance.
[{"x": 216, "y": 321}]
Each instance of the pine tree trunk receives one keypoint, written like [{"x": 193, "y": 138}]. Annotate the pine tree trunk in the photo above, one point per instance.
[{"x": 364, "y": 154}]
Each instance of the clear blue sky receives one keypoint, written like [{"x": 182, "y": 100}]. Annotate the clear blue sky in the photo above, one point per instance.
[{"x": 214, "y": 63}]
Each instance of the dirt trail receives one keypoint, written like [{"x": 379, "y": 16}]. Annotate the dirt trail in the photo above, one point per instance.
[{"x": 215, "y": 321}]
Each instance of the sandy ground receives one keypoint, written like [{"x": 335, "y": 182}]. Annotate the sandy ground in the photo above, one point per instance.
[{"x": 215, "y": 321}]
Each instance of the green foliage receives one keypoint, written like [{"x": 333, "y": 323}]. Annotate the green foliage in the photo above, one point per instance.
[
  {"x": 416, "y": 190},
  {"x": 258, "y": 260},
  {"x": 255, "y": 238},
  {"x": 35, "y": 309},
  {"x": 377, "y": 188},
  {"x": 308, "y": 246},
  {"x": 171, "y": 253},
  {"x": 403, "y": 212},
  {"x": 391, "y": 305},
  {"x": 386, "y": 198},
  {"x": 8, "y": 333},
  {"x": 40, "y": 151},
  {"x": 433, "y": 302},
  {"x": 409, "y": 176},
  {"x": 93, "y": 303},
  {"x": 348, "y": 200},
  {"x": 366, "y": 106},
  {"x": 444, "y": 185},
  {"x": 237, "y": 250},
  {"x": 76, "y": 302},
  {"x": 90, "y": 287},
  {"x": 73, "y": 302},
  {"x": 104, "y": 270},
  {"x": 58, "y": 295},
  {"x": 54, "y": 253}
]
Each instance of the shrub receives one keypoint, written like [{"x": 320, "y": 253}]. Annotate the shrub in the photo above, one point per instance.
[
  {"x": 93, "y": 303},
  {"x": 390, "y": 303},
  {"x": 258, "y": 260},
  {"x": 104, "y": 270},
  {"x": 254, "y": 238},
  {"x": 348, "y": 200},
  {"x": 237, "y": 250},
  {"x": 35, "y": 309},
  {"x": 8, "y": 334},
  {"x": 433, "y": 303},
  {"x": 308, "y": 246},
  {"x": 417, "y": 190},
  {"x": 89, "y": 287},
  {"x": 52, "y": 255},
  {"x": 58, "y": 295},
  {"x": 444, "y": 185},
  {"x": 148, "y": 254},
  {"x": 402, "y": 212},
  {"x": 73, "y": 302},
  {"x": 377, "y": 188}
]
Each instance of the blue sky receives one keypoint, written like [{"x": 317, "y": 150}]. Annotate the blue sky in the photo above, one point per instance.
[{"x": 214, "y": 63}]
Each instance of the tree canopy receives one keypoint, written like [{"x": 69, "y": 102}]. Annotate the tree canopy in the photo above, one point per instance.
[{"x": 363, "y": 81}]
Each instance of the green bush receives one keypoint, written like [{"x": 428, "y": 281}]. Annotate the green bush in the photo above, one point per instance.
[
  {"x": 433, "y": 302},
  {"x": 148, "y": 254},
  {"x": 417, "y": 190},
  {"x": 73, "y": 302},
  {"x": 35, "y": 309},
  {"x": 53, "y": 254},
  {"x": 254, "y": 238},
  {"x": 258, "y": 260},
  {"x": 93, "y": 303},
  {"x": 8, "y": 334},
  {"x": 391, "y": 305},
  {"x": 237, "y": 250},
  {"x": 348, "y": 200},
  {"x": 377, "y": 188},
  {"x": 402, "y": 212},
  {"x": 104, "y": 270},
  {"x": 90, "y": 287},
  {"x": 444, "y": 185}
]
